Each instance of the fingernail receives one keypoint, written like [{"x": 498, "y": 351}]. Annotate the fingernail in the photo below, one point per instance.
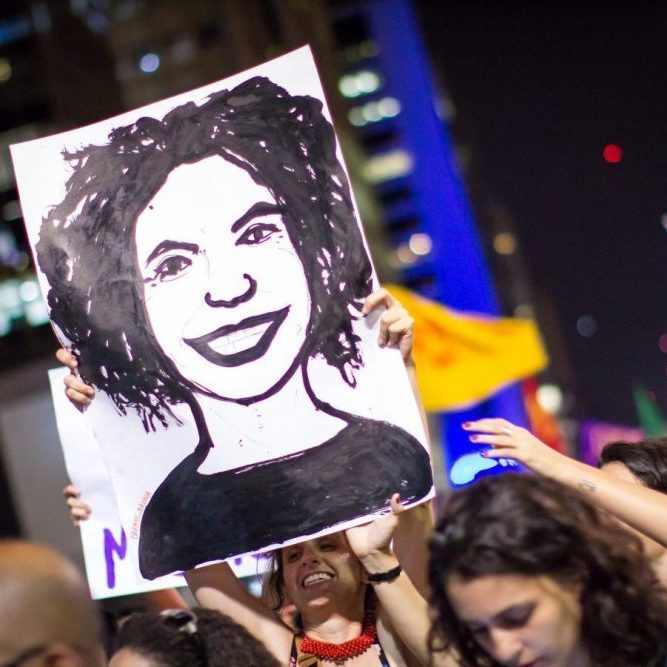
[
  {"x": 466, "y": 424},
  {"x": 474, "y": 438},
  {"x": 485, "y": 453}
]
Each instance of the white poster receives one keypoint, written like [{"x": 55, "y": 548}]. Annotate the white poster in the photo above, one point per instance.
[
  {"x": 110, "y": 558},
  {"x": 203, "y": 259}
]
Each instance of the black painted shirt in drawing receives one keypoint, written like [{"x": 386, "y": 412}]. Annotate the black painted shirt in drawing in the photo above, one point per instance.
[{"x": 193, "y": 518}]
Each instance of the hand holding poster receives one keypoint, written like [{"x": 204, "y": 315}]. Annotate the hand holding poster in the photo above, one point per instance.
[
  {"x": 202, "y": 258},
  {"x": 110, "y": 558}
]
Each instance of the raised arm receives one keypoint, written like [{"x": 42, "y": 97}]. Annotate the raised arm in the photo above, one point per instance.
[
  {"x": 401, "y": 604},
  {"x": 411, "y": 535},
  {"x": 640, "y": 507},
  {"x": 217, "y": 587}
]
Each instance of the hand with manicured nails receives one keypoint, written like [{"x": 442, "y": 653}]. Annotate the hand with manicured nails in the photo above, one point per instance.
[{"x": 513, "y": 442}]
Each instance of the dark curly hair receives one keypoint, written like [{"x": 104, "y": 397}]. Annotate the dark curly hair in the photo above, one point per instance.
[
  {"x": 217, "y": 642},
  {"x": 532, "y": 526},
  {"x": 646, "y": 460},
  {"x": 87, "y": 243}
]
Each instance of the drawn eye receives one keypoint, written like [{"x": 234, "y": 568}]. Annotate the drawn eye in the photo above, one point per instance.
[
  {"x": 257, "y": 233},
  {"x": 171, "y": 268}
]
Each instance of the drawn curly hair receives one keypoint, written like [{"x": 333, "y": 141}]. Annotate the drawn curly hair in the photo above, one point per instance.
[
  {"x": 87, "y": 243},
  {"x": 531, "y": 526}
]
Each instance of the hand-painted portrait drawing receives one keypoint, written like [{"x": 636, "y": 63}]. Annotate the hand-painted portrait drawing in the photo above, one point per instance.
[{"x": 203, "y": 258}]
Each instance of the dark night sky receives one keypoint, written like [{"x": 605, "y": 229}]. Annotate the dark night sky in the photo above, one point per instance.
[{"x": 539, "y": 90}]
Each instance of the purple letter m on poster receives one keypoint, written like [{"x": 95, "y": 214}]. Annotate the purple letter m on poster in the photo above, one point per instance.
[{"x": 112, "y": 547}]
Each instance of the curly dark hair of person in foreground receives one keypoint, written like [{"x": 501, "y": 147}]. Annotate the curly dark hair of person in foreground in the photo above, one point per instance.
[
  {"x": 646, "y": 460},
  {"x": 531, "y": 526},
  {"x": 211, "y": 639}
]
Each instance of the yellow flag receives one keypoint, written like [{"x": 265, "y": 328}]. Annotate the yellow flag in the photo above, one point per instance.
[{"x": 463, "y": 358}]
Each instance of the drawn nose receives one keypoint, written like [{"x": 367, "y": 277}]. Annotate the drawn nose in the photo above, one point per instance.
[{"x": 235, "y": 301}]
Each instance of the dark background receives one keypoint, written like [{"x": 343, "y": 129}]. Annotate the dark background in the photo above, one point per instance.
[{"x": 539, "y": 89}]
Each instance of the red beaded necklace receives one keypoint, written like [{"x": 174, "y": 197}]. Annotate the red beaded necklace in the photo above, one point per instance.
[{"x": 340, "y": 653}]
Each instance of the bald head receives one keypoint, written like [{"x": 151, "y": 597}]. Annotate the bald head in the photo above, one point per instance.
[{"x": 44, "y": 601}]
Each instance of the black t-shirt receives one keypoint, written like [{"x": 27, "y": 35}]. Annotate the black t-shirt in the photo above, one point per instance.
[{"x": 193, "y": 518}]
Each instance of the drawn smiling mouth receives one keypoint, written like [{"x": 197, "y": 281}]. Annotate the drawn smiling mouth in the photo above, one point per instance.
[{"x": 238, "y": 344}]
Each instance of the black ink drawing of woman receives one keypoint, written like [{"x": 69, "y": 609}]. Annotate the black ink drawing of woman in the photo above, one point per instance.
[{"x": 203, "y": 259}]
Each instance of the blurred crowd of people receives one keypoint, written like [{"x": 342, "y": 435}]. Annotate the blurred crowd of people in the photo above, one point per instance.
[{"x": 562, "y": 566}]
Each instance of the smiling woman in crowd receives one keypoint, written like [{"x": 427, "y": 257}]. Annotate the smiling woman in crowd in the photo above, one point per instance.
[{"x": 204, "y": 258}]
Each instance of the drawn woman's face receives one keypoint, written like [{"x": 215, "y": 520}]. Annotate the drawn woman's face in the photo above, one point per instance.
[{"x": 225, "y": 291}]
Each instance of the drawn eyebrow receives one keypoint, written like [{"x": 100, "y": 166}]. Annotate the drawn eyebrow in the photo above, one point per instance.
[
  {"x": 256, "y": 210},
  {"x": 171, "y": 245}
]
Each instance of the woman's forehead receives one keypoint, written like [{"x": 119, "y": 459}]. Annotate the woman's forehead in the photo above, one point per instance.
[
  {"x": 211, "y": 188},
  {"x": 338, "y": 538},
  {"x": 490, "y": 595}
]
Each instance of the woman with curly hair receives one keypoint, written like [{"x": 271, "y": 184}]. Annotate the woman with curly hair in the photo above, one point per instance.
[{"x": 527, "y": 573}]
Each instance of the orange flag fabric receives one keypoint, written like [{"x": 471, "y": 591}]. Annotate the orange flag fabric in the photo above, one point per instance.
[{"x": 463, "y": 358}]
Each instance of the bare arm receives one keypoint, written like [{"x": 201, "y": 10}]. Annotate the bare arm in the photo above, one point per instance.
[
  {"x": 411, "y": 535},
  {"x": 214, "y": 587},
  {"x": 217, "y": 587},
  {"x": 410, "y": 544},
  {"x": 640, "y": 507},
  {"x": 401, "y": 603}
]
